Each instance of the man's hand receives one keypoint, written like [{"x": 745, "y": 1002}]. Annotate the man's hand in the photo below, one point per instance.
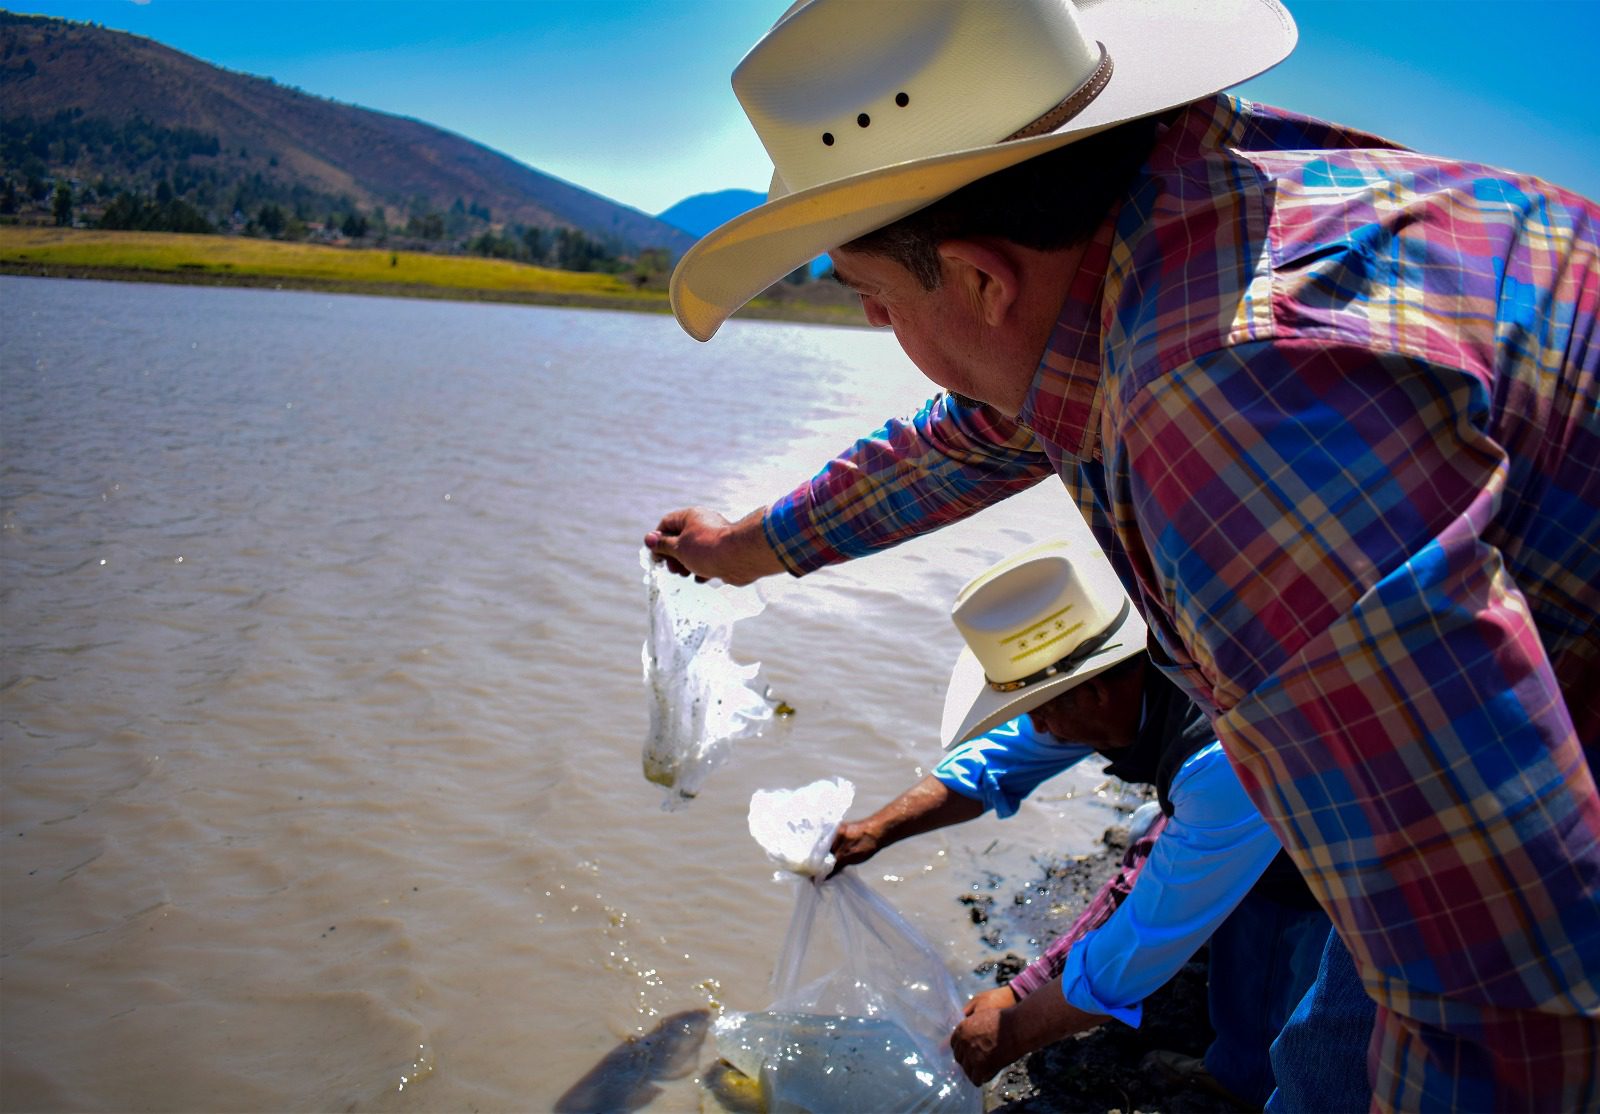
[
  {"x": 1000, "y": 998},
  {"x": 980, "y": 1047},
  {"x": 984, "y": 1042},
  {"x": 927, "y": 805},
  {"x": 854, "y": 842},
  {"x": 700, "y": 542},
  {"x": 1000, "y": 1028}
]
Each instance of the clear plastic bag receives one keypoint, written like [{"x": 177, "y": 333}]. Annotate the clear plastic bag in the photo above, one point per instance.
[
  {"x": 700, "y": 698},
  {"x": 863, "y": 1006}
]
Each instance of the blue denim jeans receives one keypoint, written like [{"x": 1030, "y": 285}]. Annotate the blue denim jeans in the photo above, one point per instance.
[
  {"x": 1320, "y": 1057},
  {"x": 1264, "y": 958}
]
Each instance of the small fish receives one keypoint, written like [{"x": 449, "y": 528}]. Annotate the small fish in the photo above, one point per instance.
[
  {"x": 733, "y": 1090},
  {"x": 625, "y": 1078},
  {"x": 802, "y": 1061}
]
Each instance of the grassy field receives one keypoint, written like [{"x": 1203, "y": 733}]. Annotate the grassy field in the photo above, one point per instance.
[
  {"x": 242, "y": 261},
  {"x": 225, "y": 257}
]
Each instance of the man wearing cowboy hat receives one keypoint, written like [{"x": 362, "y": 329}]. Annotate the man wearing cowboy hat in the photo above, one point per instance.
[
  {"x": 1332, "y": 408},
  {"x": 1054, "y": 670}
]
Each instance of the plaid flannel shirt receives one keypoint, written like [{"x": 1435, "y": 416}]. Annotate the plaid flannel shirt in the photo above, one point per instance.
[{"x": 1332, "y": 408}]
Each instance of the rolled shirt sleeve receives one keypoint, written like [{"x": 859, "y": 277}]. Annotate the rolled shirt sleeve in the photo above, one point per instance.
[
  {"x": 1001, "y": 767},
  {"x": 1213, "y": 850}
]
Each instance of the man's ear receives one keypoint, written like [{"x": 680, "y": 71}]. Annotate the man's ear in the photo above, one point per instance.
[
  {"x": 991, "y": 277},
  {"x": 1096, "y": 693}
]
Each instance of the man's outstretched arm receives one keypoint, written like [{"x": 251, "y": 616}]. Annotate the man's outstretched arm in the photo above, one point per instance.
[
  {"x": 909, "y": 477},
  {"x": 926, "y": 806},
  {"x": 995, "y": 771}
]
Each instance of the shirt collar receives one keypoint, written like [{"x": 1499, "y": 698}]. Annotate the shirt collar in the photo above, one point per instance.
[{"x": 1062, "y": 406}]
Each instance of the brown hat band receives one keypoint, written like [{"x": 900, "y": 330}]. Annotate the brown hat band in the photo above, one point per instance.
[{"x": 1075, "y": 102}]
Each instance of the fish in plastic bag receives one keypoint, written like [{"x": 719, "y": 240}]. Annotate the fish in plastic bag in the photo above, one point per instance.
[
  {"x": 811, "y": 1062},
  {"x": 863, "y": 1006},
  {"x": 700, "y": 698}
]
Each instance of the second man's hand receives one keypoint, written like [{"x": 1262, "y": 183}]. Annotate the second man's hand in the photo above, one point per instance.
[
  {"x": 854, "y": 842},
  {"x": 927, "y": 805},
  {"x": 999, "y": 1029},
  {"x": 700, "y": 542}
]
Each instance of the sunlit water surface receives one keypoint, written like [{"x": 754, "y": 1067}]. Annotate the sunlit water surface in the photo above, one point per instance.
[{"x": 322, "y": 711}]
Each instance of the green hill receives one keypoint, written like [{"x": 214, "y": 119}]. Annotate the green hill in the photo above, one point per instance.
[{"x": 110, "y": 113}]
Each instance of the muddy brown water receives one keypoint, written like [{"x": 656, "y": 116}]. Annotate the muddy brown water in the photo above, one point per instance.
[{"x": 320, "y": 696}]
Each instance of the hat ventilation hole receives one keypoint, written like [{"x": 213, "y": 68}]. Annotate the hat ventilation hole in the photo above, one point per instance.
[
  {"x": 901, "y": 99},
  {"x": 827, "y": 139},
  {"x": 863, "y": 120}
]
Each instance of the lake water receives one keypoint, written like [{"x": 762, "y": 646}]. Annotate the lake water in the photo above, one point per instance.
[{"x": 322, "y": 710}]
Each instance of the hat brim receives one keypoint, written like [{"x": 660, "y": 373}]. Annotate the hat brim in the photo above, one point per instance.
[
  {"x": 1164, "y": 55},
  {"x": 972, "y": 707}
]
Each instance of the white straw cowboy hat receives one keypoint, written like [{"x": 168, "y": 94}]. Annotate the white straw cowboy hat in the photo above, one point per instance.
[
  {"x": 872, "y": 109},
  {"x": 1036, "y": 624}
]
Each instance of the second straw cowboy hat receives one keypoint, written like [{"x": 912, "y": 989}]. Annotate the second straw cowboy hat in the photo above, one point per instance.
[
  {"x": 1036, "y": 624},
  {"x": 872, "y": 109}
]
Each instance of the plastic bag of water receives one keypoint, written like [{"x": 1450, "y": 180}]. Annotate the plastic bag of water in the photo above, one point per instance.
[
  {"x": 700, "y": 698},
  {"x": 863, "y": 1006}
]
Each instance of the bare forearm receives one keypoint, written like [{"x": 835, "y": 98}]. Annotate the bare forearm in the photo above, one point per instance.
[
  {"x": 927, "y": 805},
  {"x": 1046, "y": 1017}
]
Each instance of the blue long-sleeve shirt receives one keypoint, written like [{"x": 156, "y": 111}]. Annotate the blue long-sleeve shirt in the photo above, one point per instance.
[{"x": 1213, "y": 850}]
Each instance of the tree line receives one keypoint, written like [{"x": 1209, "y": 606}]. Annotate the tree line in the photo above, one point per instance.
[{"x": 147, "y": 177}]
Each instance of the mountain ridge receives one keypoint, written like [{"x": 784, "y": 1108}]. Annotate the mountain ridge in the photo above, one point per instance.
[
  {"x": 288, "y": 137},
  {"x": 701, "y": 212}
]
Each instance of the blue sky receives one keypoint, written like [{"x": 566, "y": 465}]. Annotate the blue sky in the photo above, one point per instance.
[{"x": 630, "y": 98}]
